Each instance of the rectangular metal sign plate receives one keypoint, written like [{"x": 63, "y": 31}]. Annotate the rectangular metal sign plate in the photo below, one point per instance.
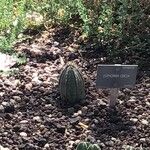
[{"x": 116, "y": 76}]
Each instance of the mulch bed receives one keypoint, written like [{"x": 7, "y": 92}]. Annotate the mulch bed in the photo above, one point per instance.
[{"x": 32, "y": 117}]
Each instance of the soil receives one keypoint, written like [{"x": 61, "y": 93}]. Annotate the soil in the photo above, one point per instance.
[{"x": 33, "y": 117}]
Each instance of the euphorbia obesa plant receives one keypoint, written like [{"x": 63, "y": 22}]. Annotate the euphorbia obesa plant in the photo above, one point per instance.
[{"x": 87, "y": 146}]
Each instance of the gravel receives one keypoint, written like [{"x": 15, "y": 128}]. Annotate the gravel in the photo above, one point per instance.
[{"x": 36, "y": 119}]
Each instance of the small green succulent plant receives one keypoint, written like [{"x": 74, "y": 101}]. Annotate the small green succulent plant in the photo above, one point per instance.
[{"x": 87, "y": 146}]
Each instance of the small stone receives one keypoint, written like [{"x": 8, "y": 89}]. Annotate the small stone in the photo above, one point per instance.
[
  {"x": 113, "y": 139},
  {"x": 17, "y": 98},
  {"x": 87, "y": 120},
  {"x": 88, "y": 132},
  {"x": 5, "y": 133},
  {"x": 109, "y": 143},
  {"x": 98, "y": 141},
  {"x": 28, "y": 86},
  {"x": 103, "y": 59},
  {"x": 5, "y": 103},
  {"x": 132, "y": 99},
  {"x": 101, "y": 103},
  {"x": 74, "y": 120},
  {"x": 71, "y": 143},
  {"x": 58, "y": 51},
  {"x": 95, "y": 121},
  {"x": 16, "y": 82},
  {"x": 148, "y": 103},
  {"x": 79, "y": 112},
  {"x": 23, "y": 134},
  {"x": 55, "y": 43},
  {"x": 48, "y": 105},
  {"x": 121, "y": 96},
  {"x": 36, "y": 80},
  {"x": 1, "y": 108},
  {"x": 19, "y": 113},
  {"x": 127, "y": 147},
  {"x": 8, "y": 108},
  {"x": 142, "y": 139},
  {"x": 145, "y": 122},
  {"x": 59, "y": 114},
  {"x": 42, "y": 127},
  {"x": 24, "y": 121},
  {"x": 83, "y": 136},
  {"x": 75, "y": 114},
  {"x": 127, "y": 90},
  {"x": 46, "y": 145},
  {"x": 12, "y": 102},
  {"x": 93, "y": 126},
  {"x": 91, "y": 139},
  {"x": 120, "y": 102},
  {"x": 102, "y": 145},
  {"x": 2, "y": 93},
  {"x": 50, "y": 115},
  {"x": 134, "y": 120},
  {"x": 77, "y": 141},
  {"x": 84, "y": 110},
  {"x": 3, "y": 148},
  {"x": 37, "y": 118},
  {"x": 147, "y": 85},
  {"x": 134, "y": 127}
]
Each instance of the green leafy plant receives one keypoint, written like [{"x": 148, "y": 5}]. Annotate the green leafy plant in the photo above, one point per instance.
[
  {"x": 13, "y": 21},
  {"x": 87, "y": 146},
  {"x": 12, "y": 16},
  {"x": 20, "y": 59},
  {"x": 10, "y": 72},
  {"x": 121, "y": 26}
]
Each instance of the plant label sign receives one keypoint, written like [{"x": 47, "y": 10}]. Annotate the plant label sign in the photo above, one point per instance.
[{"x": 116, "y": 76}]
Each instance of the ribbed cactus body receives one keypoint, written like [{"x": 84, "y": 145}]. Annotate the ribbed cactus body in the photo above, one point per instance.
[
  {"x": 71, "y": 85},
  {"x": 87, "y": 146},
  {"x": 83, "y": 146}
]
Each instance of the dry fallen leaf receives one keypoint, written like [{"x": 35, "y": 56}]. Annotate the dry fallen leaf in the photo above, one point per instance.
[
  {"x": 84, "y": 126},
  {"x": 54, "y": 80},
  {"x": 71, "y": 49},
  {"x": 62, "y": 61}
]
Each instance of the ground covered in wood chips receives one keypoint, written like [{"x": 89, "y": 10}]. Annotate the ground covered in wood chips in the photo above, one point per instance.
[{"x": 32, "y": 116}]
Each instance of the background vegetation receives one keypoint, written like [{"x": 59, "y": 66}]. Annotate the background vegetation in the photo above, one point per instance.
[{"x": 121, "y": 25}]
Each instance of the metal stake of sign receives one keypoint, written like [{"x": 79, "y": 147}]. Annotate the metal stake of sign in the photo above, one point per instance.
[{"x": 113, "y": 97}]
